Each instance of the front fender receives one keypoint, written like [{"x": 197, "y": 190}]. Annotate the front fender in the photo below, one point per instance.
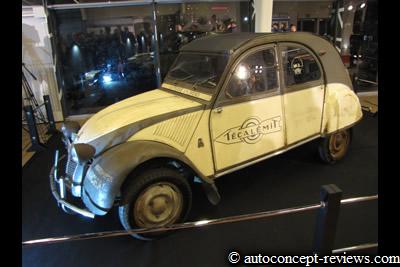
[{"x": 108, "y": 172}]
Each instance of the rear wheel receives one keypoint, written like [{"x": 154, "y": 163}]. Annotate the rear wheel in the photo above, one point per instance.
[
  {"x": 334, "y": 147},
  {"x": 155, "y": 198}
]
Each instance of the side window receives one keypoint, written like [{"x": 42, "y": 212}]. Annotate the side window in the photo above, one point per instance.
[
  {"x": 299, "y": 66},
  {"x": 256, "y": 73}
]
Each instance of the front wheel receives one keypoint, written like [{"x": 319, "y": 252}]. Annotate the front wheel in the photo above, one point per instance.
[
  {"x": 155, "y": 198},
  {"x": 334, "y": 147}
]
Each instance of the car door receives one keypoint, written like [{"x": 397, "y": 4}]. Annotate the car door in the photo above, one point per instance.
[
  {"x": 247, "y": 121},
  {"x": 303, "y": 92}
]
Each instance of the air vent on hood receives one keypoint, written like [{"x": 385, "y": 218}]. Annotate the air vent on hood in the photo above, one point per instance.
[{"x": 179, "y": 129}]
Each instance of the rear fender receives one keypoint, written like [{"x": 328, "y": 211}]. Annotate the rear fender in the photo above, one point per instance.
[{"x": 342, "y": 109}]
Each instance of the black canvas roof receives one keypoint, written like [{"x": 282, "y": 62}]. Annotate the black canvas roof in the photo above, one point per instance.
[{"x": 220, "y": 43}]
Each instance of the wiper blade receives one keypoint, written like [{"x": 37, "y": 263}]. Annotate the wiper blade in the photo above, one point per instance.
[
  {"x": 207, "y": 80},
  {"x": 176, "y": 80}
]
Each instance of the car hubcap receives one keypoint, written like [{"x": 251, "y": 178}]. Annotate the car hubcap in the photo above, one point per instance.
[
  {"x": 338, "y": 144},
  {"x": 158, "y": 205}
]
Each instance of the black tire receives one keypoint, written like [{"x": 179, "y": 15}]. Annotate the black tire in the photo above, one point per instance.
[
  {"x": 130, "y": 214},
  {"x": 330, "y": 153}
]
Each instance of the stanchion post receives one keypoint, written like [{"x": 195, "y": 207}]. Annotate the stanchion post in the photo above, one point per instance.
[
  {"x": 327, "y": 219},
  {"x": 49, "y": 113},
  {"x": 33, "y": 132}
]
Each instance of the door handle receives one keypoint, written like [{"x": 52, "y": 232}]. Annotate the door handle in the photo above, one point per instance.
[{"x": 218, "y": 110}]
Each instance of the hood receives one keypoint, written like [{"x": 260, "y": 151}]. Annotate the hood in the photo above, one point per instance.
[{"x": 119, "y": 121}]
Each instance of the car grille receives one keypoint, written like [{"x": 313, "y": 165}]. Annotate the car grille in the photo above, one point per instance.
[{"x": 71, "y": 166}]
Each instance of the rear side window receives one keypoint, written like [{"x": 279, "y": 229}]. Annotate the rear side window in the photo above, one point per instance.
[{"x": 299, "y": 66}]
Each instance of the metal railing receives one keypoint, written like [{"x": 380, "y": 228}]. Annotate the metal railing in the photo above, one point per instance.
[
  {"x": 323, "y": 239},
  {"x": 34, "y": 122},
  {"x": 37, "y": 127},
  {"x": 355, "y": 248}
]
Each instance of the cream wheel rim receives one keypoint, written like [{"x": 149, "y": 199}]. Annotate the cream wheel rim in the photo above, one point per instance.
[
  {"x": 338, "y": 144},
  {"x": 159, "y": 204}
]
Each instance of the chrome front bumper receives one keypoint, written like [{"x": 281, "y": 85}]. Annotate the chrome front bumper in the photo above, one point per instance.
[{"x": 58, "y": 189}]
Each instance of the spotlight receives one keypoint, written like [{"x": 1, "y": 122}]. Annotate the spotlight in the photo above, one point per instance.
[
  {"x": 350, "y": 7},
  {"x": 75, "y": 48},
  {"x": 242, "y": 73},
  {"x": 107, "y": 78},
  {"x": 362, "y": 5},
  {"x": 246, "y": 18}
]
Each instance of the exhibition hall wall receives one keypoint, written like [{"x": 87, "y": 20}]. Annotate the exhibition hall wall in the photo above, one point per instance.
[
  {"x": 99, "y": 55},
  {"x": 110, "y": 53},
  {"x": 37, "y": 56}
]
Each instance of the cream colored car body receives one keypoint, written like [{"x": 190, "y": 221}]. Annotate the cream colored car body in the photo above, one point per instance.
[
  {"x": 290, "y": 123},
  {"x": 206, "y": 134},
  {"x": 295, "y": 124}
]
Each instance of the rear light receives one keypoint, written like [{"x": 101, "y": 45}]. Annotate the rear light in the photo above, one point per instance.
[{"x": 346, "y": 60}]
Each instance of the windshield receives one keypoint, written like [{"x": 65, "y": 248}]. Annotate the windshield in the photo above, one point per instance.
[{"x": 197, "y": 71}]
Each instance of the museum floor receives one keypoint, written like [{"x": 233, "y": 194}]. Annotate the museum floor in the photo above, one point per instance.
[{"x": 288, "y": 180}]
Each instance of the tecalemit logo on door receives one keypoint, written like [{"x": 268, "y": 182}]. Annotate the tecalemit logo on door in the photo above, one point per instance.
[{"x": 251, "y": 131}]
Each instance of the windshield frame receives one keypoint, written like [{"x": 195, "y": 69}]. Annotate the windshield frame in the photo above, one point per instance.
[{"x": 199, "y": 88}]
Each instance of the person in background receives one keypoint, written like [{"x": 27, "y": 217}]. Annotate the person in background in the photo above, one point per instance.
[
  {"x": 231, "y": 26},
  {"x": 107, "y": 36},
  {"x": 141, "y": 42},
  {"x": 222, "y": 27},
  {"x": 116, "y": 36},
  {"x": 179, "y": 28},
  {"x": 127, "y": 34},
  {"x": 214, "y": 23},
  {"x": 285, "y": 27},
  {"x": 282, "y": 27},
  {"x": 120, "y": 68},
  {"x": 293, "y": 28},
  {"x": 275, "y": 27}
]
